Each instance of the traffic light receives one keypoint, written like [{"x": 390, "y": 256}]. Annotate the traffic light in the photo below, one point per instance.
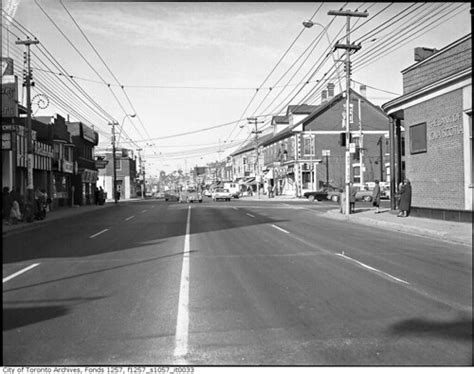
[
  {"x": 350, "y": 68},
  {"x": 342, "y": 139}
]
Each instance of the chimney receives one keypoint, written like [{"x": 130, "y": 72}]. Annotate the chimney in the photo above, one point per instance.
[
  {"x": 330, "y": 90},
  {"x": 363, "y": 90},
  {"x": 324, "y": 96},
  {"x": 422, "y": 53}
]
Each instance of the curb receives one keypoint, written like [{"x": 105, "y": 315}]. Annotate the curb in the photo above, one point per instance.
[{"x": 334, "y": 214}]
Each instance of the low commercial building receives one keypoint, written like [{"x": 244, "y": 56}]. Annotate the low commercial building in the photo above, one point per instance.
[{"x": 435, "y": 114}]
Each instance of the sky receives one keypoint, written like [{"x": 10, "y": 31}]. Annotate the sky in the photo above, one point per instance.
[{"x": 182, "y": 68}]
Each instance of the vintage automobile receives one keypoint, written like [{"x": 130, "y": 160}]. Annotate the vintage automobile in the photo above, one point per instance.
[
  {"x": 190, "y": 196},
  {"x": 171, "y": 196},
  {"x": 222, "y": 194},
  {"x": 324, "y": 193}
]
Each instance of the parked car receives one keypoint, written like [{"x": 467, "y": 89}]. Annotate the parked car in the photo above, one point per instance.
[
  {"x": 384, "y": 190},
  {"x": 323, "y": 193},
  {"x": 235, "y": 195},
  {"x": 159, "y": 195},
  {"x": 365, "y": 194},
  {"x": 207, "y": 193},
  {"x": 171, "y": 196},
  {"x": 221, "y": 194}
]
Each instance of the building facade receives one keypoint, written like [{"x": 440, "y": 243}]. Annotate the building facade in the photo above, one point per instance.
[
  {"x": 436, "y": 113},
  {"x": 126, "y": 173},
  {"x": 85, "y": 139},
  {"x": 309, "y": 154},
  {"x": 53, "y": 131}
]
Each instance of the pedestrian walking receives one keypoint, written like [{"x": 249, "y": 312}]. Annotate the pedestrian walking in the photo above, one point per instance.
[
  {"x": 405, "y": 199},
  {"x": 15, "y": 214},
  {"x": 16, "y": 195},
  {"x": 376, "y": 196}
]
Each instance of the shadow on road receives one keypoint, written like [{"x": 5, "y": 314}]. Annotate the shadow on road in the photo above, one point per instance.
[
  {"x": 94, "y": 272},
  {"x": 458, "y": 329},
  {"x": 71, "y": 236}
]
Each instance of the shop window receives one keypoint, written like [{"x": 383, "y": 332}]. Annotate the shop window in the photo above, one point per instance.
[
  {"x": 418, "y": 138},
  {"x": 469, "y": 117},
  {"x": 356, "y": 173},
  {"x": 118, "y": 164}
]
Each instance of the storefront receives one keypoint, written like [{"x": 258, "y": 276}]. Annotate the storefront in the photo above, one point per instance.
[{"x": 436, "y": 111}]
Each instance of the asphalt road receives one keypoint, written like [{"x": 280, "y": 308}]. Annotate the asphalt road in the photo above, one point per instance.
[{"x": 232, "y": 283}]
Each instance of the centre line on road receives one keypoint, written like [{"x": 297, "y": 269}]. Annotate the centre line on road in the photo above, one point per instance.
[
  {"x": 182, "y": 324},
  {"x": 143, "y": 211},
  {"x": 371, "y": 268},
  {"x": 126, "y": 219},
  {"x": 279, "y": 228},
  {"x": 250, "y": 215},
  {"x": 6, "y": 279},
  {"x": 100, "y": 232}
]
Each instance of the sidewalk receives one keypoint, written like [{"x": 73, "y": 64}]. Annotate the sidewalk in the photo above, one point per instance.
[
  {"x": 457, "y": 232},
  {"x": 59, "y": 213}
]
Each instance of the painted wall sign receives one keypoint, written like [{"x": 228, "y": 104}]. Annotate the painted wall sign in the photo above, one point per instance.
[{"x": 445, "y": 127}]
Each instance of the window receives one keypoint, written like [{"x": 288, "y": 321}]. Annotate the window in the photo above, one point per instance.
[
  {"x": 118, "y": 164},
  {"x": 418, "y": 138},
  {"x": 356, "y": 173},
  {"x": 308, "y": 146},
  {"x": 469, "y": 116}
]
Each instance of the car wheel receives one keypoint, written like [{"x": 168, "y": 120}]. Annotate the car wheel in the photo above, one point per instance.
[{"x": 311, "y": 198}]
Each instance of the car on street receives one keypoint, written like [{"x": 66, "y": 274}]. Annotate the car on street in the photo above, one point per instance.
[
  {"x": 159, "y": 195},
  {"x": 222, "y": 194},
  {"x": 171, "y": 196},
  {"x": 324, "y": 193},
  {"x": 365, "y": 194},
  {"x": 190, "y": 196}
]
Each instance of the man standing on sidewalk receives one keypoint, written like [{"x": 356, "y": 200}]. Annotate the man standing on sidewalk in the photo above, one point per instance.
[{"x": 376, "y": 196}]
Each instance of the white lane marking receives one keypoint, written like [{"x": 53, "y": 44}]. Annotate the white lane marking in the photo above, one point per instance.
[
  {"x": 250, "y": 215},
  {"x": 279, "y": 228},
  {"x": 129, "y": 218},
  {"x": 143, "y": 211},
  {"x": 6, "y": 279},
  {"x": 182, "y": 324},
  {"x": 235, "y": 208},
  {"x": 371, "y": 268},
  {"x": 100, "y": 232}
]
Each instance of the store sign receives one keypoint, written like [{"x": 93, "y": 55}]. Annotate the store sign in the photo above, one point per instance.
[
  {"x": 41, "y": 150},
  {"x": 89, "y": 176},
  {"x": 445, "y": 127},
  {"x": 68, "y": 166},
  {"x": 9, "y": 89},
  {"x": 101, "y": 164},
  {"x": 89, "y": 134},
  {"x": 6, "y": 141}
]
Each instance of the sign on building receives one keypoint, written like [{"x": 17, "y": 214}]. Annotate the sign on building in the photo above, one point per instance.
[{"x": 9, "y": 89}]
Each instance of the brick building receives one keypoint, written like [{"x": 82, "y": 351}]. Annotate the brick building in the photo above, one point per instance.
[
  {"x": 435, "y": 113},
  {"x": 308, "y": 154}
]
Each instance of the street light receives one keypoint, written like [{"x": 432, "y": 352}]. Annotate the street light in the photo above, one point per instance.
[
  {"x": 308, "y": 25},
  {"x": 113, "y": 124}
]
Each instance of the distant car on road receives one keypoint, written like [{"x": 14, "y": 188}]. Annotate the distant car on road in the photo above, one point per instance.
[
  {"x": 159, "y": 195},
  {"x": 222, "y": 194},
  {"x": 190, "y": 196},
  {"x": 171, "y": 196},
  {"x": 324, "y": 193}
]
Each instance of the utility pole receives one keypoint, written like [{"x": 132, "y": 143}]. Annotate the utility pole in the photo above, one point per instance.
[
  {"x": 379, "y": 143},
  {"x": 29, "y": 139},
  {"x": 254, "y": 121},
  {"x": 113, "y": 124},
  {"x": 348, "y": 47},
  {"x": 141, "y": 173},
  {"x": 361, "y": 147}
]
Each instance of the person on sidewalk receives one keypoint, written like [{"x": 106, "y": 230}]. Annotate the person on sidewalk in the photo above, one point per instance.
[
  {"x": 405, "y": 199},
  {"x": 15, "y": 214},
  {"x": 352, "y": 198},
  {"x": 376, "y": 196}
]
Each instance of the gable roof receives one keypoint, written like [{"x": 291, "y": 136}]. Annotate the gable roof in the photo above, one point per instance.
[
  {"x": 300, "y": 109},
  {"x": 335, "y": 117},
  {"x": 250, "y": 146}
]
